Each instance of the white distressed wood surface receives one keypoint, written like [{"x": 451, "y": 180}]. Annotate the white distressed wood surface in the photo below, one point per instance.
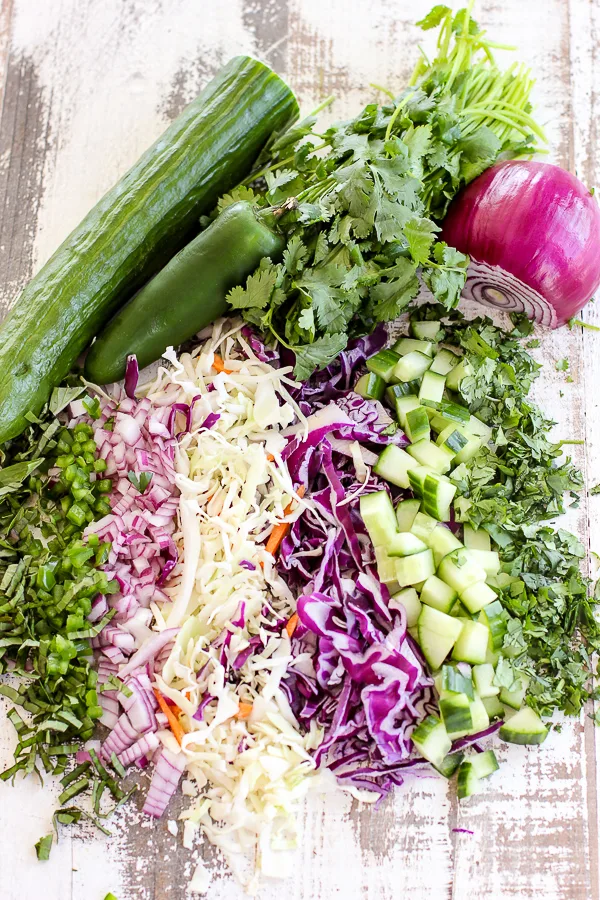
[{"x": 86, "y": 85}]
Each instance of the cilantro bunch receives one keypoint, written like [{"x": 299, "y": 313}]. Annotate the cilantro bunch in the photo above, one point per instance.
[{"x": 368, "y": 195}]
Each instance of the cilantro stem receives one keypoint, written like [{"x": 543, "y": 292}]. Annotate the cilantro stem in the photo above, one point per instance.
[
  {"x": 583, "y": 324},
  {"x": 396, "y": 113},
  {"x": 383, "y": 90},
  {"x": 566, "y": 442}
]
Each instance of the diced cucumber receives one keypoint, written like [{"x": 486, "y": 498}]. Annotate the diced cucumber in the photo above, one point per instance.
[
  {"x": 436, "y": 491},
  {"x": 431, "y": 740},
  {"x": 495, "y": 618},
  {"x": 473, "y": 770},
  {"x": 450, "y": 764},
  {"x": 417, "y": 476},
  {"x": 471, "y": 644},
  {"x": 405, "y": 544},
  {"x": 432, "y": 388},
  {"x": 459, "y": 571},
  {"x": 423, "y": 525},
  {"x": 408, "y": 599},
  {"x": 452, "y": 439},
  {"x": 402, "y": 389},
  {"x": 427, "y": 331},
  {"x": 477, "y": 596},
  {"x": 493, "y": 707},
  {"x": 417, "y": 424},
  {"x": 379, "y": 517},
  {"x": 479, "y": 429},
  {"x": 370, "y": 386},
  {"x": 460, "y": 371},
  {"x": 411, "y": 366},
  {"x": 481, "y": 720},
  {"x": 489, "y": 560},
  {"x": 453, "y": 412},
  {"x": 459, "y": 610},
  {"x": 484, "y": 764},
  {"x": 413, "y": 569},
  {"x": 429, "y": 454},
  {"x": 442, "y": 541},
  {"x": 439, "y": 423},
  {"x": 492, "y": 656},
  {"x": 515, "y": 698},
  {"x": 437, "y": 634},
  {"x": 406, "y": 512},
  {"x": 386, "y": 566},
  {"x": 458, "y": 680},
  {"x": 472, "y": 447},
  {"x": 467, "y": 782},
  {"x": 476, "y": 540},
  {"x": 404, "y": 405},
  {"x": 444, "y": 361},
  {"x": 405, "y": 345},
  {"x": 455, "y": 710},
  {"x": 525, "y": 727},
  {"x": 483, "y": 676},
  {"x": 383, "y": 364},
  {"x": 393, "y": 465},
  {"x": 437, "y": 594}
]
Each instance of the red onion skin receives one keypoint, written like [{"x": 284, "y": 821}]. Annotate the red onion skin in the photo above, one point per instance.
[{"x": 536, "y": 221}]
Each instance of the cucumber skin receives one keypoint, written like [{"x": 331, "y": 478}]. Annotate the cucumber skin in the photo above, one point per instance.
[
  {"x": 185, "y": 296},
  {"x": 134, "y": 230}
]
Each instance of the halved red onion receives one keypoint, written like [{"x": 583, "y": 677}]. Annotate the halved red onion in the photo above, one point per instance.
[{"x": 532, "y": 231}]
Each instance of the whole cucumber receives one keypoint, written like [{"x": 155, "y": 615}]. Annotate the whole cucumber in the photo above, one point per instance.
[
  {"x": 186, "y": 295},
  {"x": 134, "y": 230}
]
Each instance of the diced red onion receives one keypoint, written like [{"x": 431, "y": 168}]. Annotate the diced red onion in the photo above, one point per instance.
[
  {"x": 165, "y": 779},
  {"x": 141, "y": 749}
]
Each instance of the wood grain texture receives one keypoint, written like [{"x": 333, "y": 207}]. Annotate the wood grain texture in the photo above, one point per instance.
[{"x": 87, "y": 84}]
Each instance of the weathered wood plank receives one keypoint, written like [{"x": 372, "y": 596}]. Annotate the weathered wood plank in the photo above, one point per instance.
[{"x": 88, "y": 86}]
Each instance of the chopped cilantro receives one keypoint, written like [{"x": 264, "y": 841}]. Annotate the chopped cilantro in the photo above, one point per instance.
[{"x": 562, "y": 365}]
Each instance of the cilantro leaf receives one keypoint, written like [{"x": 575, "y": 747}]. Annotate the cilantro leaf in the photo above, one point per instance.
[
  {"x": 318, "y": 354},
  {"x": 258, "y": 290},
  {"x": 420, "y": 234},
  {"x": 434, "y": 17}
]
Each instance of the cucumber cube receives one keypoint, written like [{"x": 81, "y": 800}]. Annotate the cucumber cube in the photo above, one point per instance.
[
  {"x": 431, "y": 740},
  {"x": 429, "y": 454},
  {"x": 442, "y": 541},
  {"x": 404, "y": 405},
  {"x": 483, "y": 676},
  {"x": 489, "y": 560},
  {"x": 481, "y": 720},
  {"x": 438, "y": 633},
  {"x": 411, "y": 366},
  {"x": 515, "y": 698},
  {"x": 476, "y": 539},
  {"x": 386, "y": 566},
  {"x": 383, "y": 364},
  {"x": 406, "y": 512},
  {"x": 411, "y": 570},
  {"x": 423, "y": 525},
  {"x": 378, "y": 515},
  {"x": 471, "y": 645},
  {"x": 417, "y": 424},
  {"x": 408, "y": 600},
  {"x": 370, "y": 386},
  {"x": 495, "y": 618},
  {"x": 405, "y": 544},
  {"x": 444, "y": 361},
  {"x": 393, "y": 465},
  {"x": 476, "y": 597},
  {"x": 460, "y": 371},
  {"x": 457, "y": 680},
  {"x": 459, "y": 571},
  {"x": 525, "y": 727},
  {"x": 493, "y": 707},
  {"x": 405, "y": 345},
  {"x": 437, "y": 594},
  {"x": 455, "y": 710},
  {"x": 427, "y": 331},
  {"x": 450, "y": 764},
  {"x": 452, "y": 439},
  {"x": 432, "y": 388}
]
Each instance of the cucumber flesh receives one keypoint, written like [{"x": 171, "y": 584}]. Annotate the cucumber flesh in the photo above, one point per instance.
[
  {"x": 437, "y": 594},
  {"x": 413, "y": 569},
  {"x": 493, "y": 707},
  {"x": 483, "y": 677},
  {"x": 467, "y": 782},
  {"x": 471, "y": 645},
  {"x": 489, "y": 560},
  {"x": 515, "y": 698},
  {"x": 484, "y": 764},
  {"x": 442, "y": 541},
  {"x": 460, "y": 371},
  {"x": 417, "y": 424},
  {"x": 406, "y": 512},
  {"x": 427, "y": 331},
  {"x": 393, "y": 465},
  {"x": 478, "y": 596},
  {"x": 386, "y": 566},
  {"x": 525, "y": 727},
  {"x": 455, "y": 710},
  {"x": 404, "y": 346},
  {"x": 476, "y": 539},
  {"x": 459, "y": 571},
  {"x": 450, "y": 764},
  {"x": 412, "y": 366},
  {"x": 438, "y": 633},
  {"x": 383, "y": 364},
  {"x": 429, "y": 454},
  {"x": 408, "y": 600},
  {"x": 481, "y": 720},
  {"x": 495, "y": 618},
  {"x": 370, "y": 386},
  {"x": 457, "y": 680},
  {"x": 431, "y": 740},
  {"x": 444, "y": 361},
  {"x": 405, "y": 544},
  {"x": 404, "y": 405},
  {"x": 432, "y": 388},
  {"x": 423, "y": 525},
  {"x": 378, "y": 515}
]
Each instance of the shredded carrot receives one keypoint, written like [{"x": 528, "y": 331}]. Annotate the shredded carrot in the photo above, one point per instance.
[
  {"x": 219, "y": 365},
  {"x": 270, "y": 457},
  {"x": 279, "y": 531},
  {"x": 244, "y": 711},
  {"x": 292, "y": 624},
  {"x": 174, "y": 722}
]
